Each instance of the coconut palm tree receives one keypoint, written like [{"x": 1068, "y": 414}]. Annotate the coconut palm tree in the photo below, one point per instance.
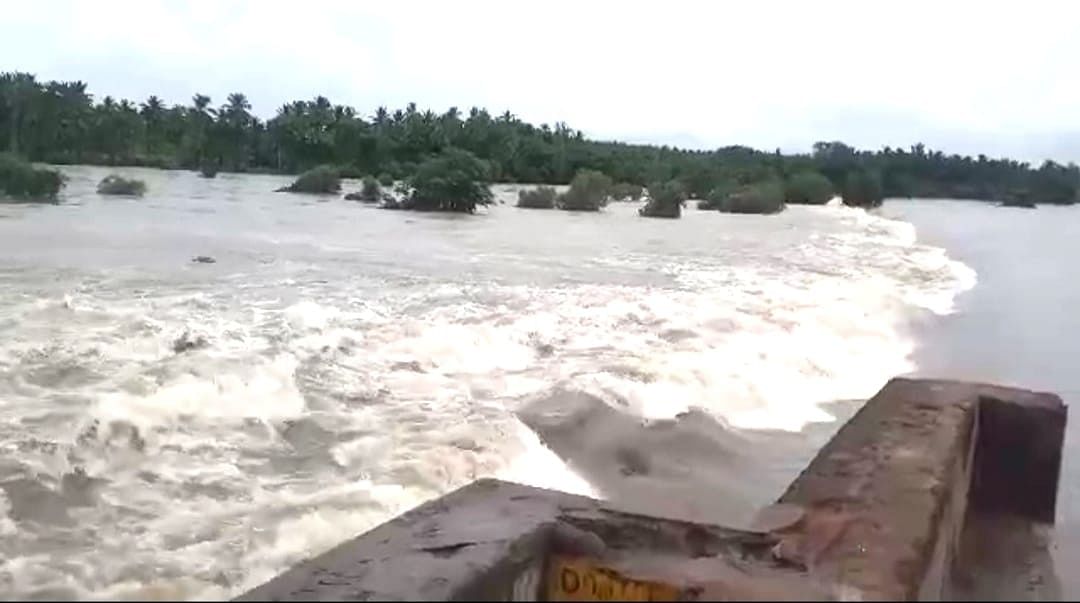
[
  {"x": 19, "y": 90},
  {"x": 235, "y": 123},
  {"x": 153, "y": 113}
]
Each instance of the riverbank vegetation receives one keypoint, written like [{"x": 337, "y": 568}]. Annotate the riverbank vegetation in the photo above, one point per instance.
[
  {"x": 62, "y": 123},
  {"x": 20, "y": 181}
]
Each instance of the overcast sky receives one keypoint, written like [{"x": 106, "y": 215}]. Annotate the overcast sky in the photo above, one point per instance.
[{"x": 968, "y": 77}]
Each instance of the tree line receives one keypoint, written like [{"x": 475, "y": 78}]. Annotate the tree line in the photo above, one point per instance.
[{"x": 62, "y": 123}]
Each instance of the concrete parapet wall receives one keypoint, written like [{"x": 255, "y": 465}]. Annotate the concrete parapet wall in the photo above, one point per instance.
[
  {"x": 901, "y": 473},
  {"x": 877, "y": 514}
]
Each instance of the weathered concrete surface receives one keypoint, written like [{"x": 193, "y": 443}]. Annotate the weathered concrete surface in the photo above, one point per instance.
[
  {"x": 890, "y": 490},
  {"x": 878, "y": 514},
  {"x": 1006, "y": 558},
  {"x": 482, "y": 541}
]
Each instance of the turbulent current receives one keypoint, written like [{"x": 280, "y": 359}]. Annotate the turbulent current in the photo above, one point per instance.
[{"x": 343, "y": 364}]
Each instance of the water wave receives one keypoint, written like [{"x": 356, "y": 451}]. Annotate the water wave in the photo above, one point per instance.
[{"x": 325, "y": 400}]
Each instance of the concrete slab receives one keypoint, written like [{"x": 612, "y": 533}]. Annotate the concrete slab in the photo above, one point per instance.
[{"x": 878, "y": 514}]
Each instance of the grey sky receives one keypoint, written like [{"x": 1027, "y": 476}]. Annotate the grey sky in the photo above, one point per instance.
[{"x": 968, "y": 77}]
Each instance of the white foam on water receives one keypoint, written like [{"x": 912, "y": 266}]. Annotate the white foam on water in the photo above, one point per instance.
[
  {"x": 7, "y": 526},
  {"x": 309, "y": 315},
  {"x": 307, "y": 422},
  {"x": 540, "y": 467},
  {"x": 266, "y": 391}
]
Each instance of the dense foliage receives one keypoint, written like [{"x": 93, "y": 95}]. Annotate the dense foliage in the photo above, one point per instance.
[
  {"x": 589, "y": 191},
  {"x": 323, "y": 179},
  {"x": 60, "y": 122},
  {"x": 715, "y": 197},
  {"x": 541, "y": 197},
  {"x": 20, "y": 181},
  {"x": 808, "y": 187},
  {"x": 118, "y": 185},
  {"x": 454, "y": 181},
  {"x": 665, "y": 200},
  {"x": 766, "y": 197},
  {"x": 862, "y": 189}
]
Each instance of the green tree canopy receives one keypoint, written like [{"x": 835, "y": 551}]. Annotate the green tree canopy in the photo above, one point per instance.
[
  {"x": 665, "y": 200},
  {"x": 590, "y": 190},
  {"x": 862, "y": 189},
  {"x": 454, "y": 181},
  {"x": 61, "y": 122},
  {"x": 808, "y": 187}
]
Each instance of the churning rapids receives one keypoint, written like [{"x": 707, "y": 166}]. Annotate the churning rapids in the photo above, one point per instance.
[{"x": 358, "y": 362}]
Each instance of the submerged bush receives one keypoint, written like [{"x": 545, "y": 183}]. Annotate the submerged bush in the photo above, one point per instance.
[
  {"x": 208, "y": 169},
  {"x": 624, "y": 191},
  {"x": 862, "y": 189},
  {"x": 23, "y": 182},
  {"x": 542, "y": 197},
  {"x": 454, "y": 181},
  {"x": 118, "y": 185},
  {"x": 808, "y": 187},
  {"x": 370, "y": 191},
  {"x": 761, "y": 198},
  {"x": 320, "y": 179},
  {"x": 665, "y": 200},
  {"x": 589, "y": 191},
  {"x": 1018, "y": 202},
  {"x": 386, "y": 180},
  {"x": 715, "y": 197}
]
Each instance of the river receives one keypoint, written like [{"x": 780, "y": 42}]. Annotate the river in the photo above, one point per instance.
[{"x": 356, "y": 362}]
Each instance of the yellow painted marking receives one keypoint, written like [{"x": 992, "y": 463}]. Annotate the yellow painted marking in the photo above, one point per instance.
[{"x": 575, "y": 579}]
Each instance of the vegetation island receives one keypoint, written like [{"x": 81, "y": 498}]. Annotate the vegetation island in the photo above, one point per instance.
[{"x": 424, "y": 161}]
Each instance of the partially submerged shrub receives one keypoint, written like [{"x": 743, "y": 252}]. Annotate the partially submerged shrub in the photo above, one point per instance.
[
  {"x": 589, "y": 191},
  {"x": 665, "y": 200},
  {"x": 862, "y": 189},
  {"x": 118, "y": 185},
  {"x": 808, "y": 187},
  {"x": 542, "y": 197},
  {"x": 386, "y": 180},
  {"x": 370, "y": 191},
  {"x": 23, "y": 182},
  {"x": 761, "y": 198},
  {"x": 1018, "y": 202},
  {"x": 454, "y": 181},
  {"x": 715, "y": 197},
  {"x": 320, "y": 179},
  {"x": 625, "y": 191},
  {"x": 208, "y": 169}
]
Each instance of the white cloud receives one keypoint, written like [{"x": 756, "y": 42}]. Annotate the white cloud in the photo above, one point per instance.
[{"x": 768, "y": 74}]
